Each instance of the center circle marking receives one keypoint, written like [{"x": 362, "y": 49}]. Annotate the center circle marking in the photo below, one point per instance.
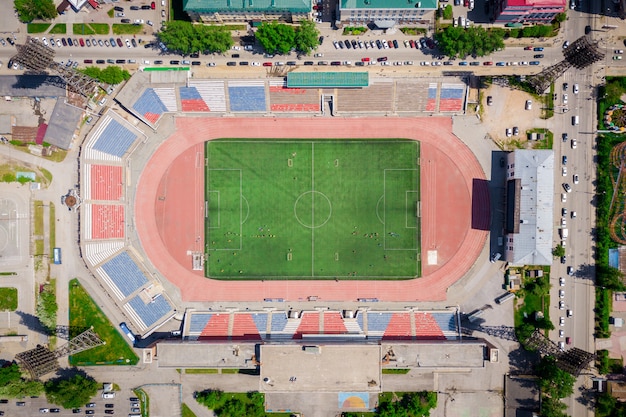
[{"x": 312, "y": 204}]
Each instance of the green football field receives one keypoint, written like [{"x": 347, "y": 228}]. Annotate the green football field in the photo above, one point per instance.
[{"x": 312, "y": 209}]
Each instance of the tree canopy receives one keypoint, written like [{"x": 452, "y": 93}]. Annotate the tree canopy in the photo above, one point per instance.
[
  {"x": 609, "y": 277},
  {"x": 72, "y": 392},
  {"x": 110, "y": 75},
  {"x": 558, "y": 251},
  {"x": 276, "y": 38},
  {"x": 553, "y": 380},
  {"x": 29, "y": 10},
  {"x": 186, "y": 38},
  {"x": 475, "y": 40},
  {"x": 307, "y": 37},
  {"x": 14, "y": 386},
  {"x": 9, "y": 374}
]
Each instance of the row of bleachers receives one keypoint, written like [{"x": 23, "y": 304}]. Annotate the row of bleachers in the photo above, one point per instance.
[
  {"x": 149, "y": 105},
  {"x": 377, "y": 98},
  {"x": 212, "y": 93},
  {"x": 97, "y": 252},
  {"x": 217, "y": 327},
  {"x": 452, "y": 91},
  {"x": 450, "y": 105},
  {"x": 167, "y": 95},
  {"x": 309, "y": 324},
  {"x": 105, "y": 182},
  {"x": 198, "y": 321},
  {"x": 107, "y": 221},
  {"x": 151, "y": 312},
  {"x": 124, "y": 273},
  {"x": 446, "y": 321},
  {"x": 431, "y": 103},
  {"x": 411, "y": 96},
  {"x": 115, "y": 139},
  {"x": 426, "y": 327},
  {"x": 333, "y": 323},
  {"x": 244, "y": 328},
  {"x": 260, "y": 321},
  {"x": 285, "y": 99},
  {"x": 246, "y": 97},
  {"x": 399, "y": 327},
  {"x": 279, "y": 321}
]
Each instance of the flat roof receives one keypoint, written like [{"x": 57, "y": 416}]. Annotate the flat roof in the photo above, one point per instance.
[
  {"x": 444, "y": 354},
  {"x": 388, "y": 4},
  {"x": 206, "y": 355},
  {"x": 320, "y": 367},
  {"x": 62, "y": 124},
  {"x": 210, "y": 6},
  {"x": 32, "y": 86},
  {"x": 327, "y": 79}
]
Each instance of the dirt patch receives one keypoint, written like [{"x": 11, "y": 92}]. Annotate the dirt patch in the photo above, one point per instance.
[{"x": 507, "y": 111}]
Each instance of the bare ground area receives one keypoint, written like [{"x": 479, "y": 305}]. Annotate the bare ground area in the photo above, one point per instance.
[{"x": 507, "y": 111}]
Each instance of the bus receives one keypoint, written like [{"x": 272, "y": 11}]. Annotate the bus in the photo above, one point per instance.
[
  {"x": 505, "y": 297},
  {"x": 127, "y": 332},
  {"x": 56, "y": 256}
]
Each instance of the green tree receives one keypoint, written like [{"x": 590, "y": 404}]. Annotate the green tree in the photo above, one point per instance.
[
  {"x": 552, "y": 380},
  {"x": 447, "y": 12},
  {"x": 609, "y": 277},
  {"x": 552, "y": 407},
  {"x": 558, "y": 251},
  {"x": 29, "y": 10},
  {"x": 9, "y": 374},
  {"x": 475, "y": 40},
  {"x": 47, "y": 307},
  {"x": 186, "y": 38},
  {"x": 72, "y": 392},
  {"x": 307, "y": 37},
  {"x": 276, "y": 37},
  {"x": 210, "y": 398},
  {"x": 561, "y": 17},
  {"x": 21, "y": 388},
  {"x": 110, "y": 75}
]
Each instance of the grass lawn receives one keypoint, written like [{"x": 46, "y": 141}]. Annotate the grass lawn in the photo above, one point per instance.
[
  {"x": 201, "y": 371},
  {"x": 59, "y": 28},
  {"x": 186, "y": 411},
  {"x": 52, "y": 231},
  {"x": 38, "y": 218},
  {"x": 396, "y": 371},
  {"x": 111, "y": 13},
  {"x": 536, "y": 297},
  {"x": 37, "y": 27},
  {"x": 82, "y": 29},
  {"x": 100, "y": 28},
  {"x": 126, "y": 29},
  {"x": 84, "y": 313},
  {"x": 312, "y": 209},
  {"x": 8, "y": 299}
]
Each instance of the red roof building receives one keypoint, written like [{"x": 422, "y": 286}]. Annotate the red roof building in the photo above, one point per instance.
[{"x": 527, "y": 11}]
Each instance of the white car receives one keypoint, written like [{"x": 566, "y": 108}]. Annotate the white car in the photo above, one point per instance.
[
  {"x": 575, "y": 178},
  {"x": 561, "y": 321},
  {"x": 336, "y": 45},
  {"x": 573, "y": 214},
  {"x": 562, "y": 282},
  {"x": 255, "y": 64},
  {"x": 59, "y": 44},
  {"x": 319, "y": 54},
  {"x": 138, "y": 21},
  {"x": 573, "y": 143},
  {"x": 529, "y": 105},
  {"x": 561, "y": 293},
  {"x": 564, "y": 98},
  {"x": 236, "y": 48},
  {"x": 45, "y": 41},
  {"x": 128, "y": 43},
  {"x": 575, "y": 88},
  {"x": 563, "y": 198},
  {"x": 523, "y": 63},
  {"x": 564, "y": 171},
  {"x": 509, "y": 132},
  {"x": 561, "y": 333}
]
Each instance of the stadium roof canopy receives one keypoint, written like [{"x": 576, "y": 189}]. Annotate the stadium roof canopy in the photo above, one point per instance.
[
  {"x": 212, "y": 6},
  {"x": 327, "y": 79}
]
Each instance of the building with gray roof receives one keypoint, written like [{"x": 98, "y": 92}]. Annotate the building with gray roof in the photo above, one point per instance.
[
  {"x": 222, "y": 11},
  {"x": 32, "y": 86},
  {"x": 529, "y": 207},
  {"x": 63, "y": 122},
  {"x": 386, "y": 13}
]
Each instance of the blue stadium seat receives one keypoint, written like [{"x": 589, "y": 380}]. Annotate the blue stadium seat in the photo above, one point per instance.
[
  {"x": 152, "y": 312},
  {"x": 198, "y": 322},
  {"x": 125, "y": 274},
  {"x": 432, "y": 92},
  {"x": 445, "y": 321},
  {"x": 247, "y": 98},
  {"x": 378, "y": 321},
  {"x": 149, "y": 102},
  {"x": 189, "y": 93},
  {"x": 115, "y": 139},
  {"x": 260, "y": 320},
  {"x": 456, "y": 93},
  {"x": 279, "y": 321}
]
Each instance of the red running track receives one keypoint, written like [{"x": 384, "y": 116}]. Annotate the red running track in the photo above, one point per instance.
[{"x": 168, "y": 221}]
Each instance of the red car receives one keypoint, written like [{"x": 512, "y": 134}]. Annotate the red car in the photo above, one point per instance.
[
  {"x": 412, "y": 43},
  {"x": 81, "y": 41},
  {"x": 267, "y": 64},
  {"x": 365, "y": 60},
  {"x": 528, "y": 48},
  {"x": 488, "y": 63},
  {"x": 119, "y": 42},
  {"x": 153, "y": 5}
]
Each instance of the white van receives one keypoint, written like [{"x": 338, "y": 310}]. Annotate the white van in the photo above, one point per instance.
[
  {"x": 574, "y": 120},
  {"x": 108, "y": 395}
]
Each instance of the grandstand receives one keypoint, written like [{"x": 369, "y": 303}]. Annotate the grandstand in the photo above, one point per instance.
[
  {"x": 122, "y": 275},
  {"x": 247, "y": 96},
  {"x": 146, "y": 314},
  {"x": 109, "y": 141},
  {"x": 191, "y": 100},
  {"x": 285, "y": 99},
  {"x": 107, "y": 221},
  {"x": 105, "y": 182},
  {"x": 275, "y": 325},
  {"x": 431, "y": 104},
  {"x": 378, "y": 97},
  {"x": 452, "y": 97},
  {"x": 213, "y": 93},
  {"x": 410, "y": 96},
  {"x": 149, "y": 105},
  {"x": 100, "y": 251}
]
